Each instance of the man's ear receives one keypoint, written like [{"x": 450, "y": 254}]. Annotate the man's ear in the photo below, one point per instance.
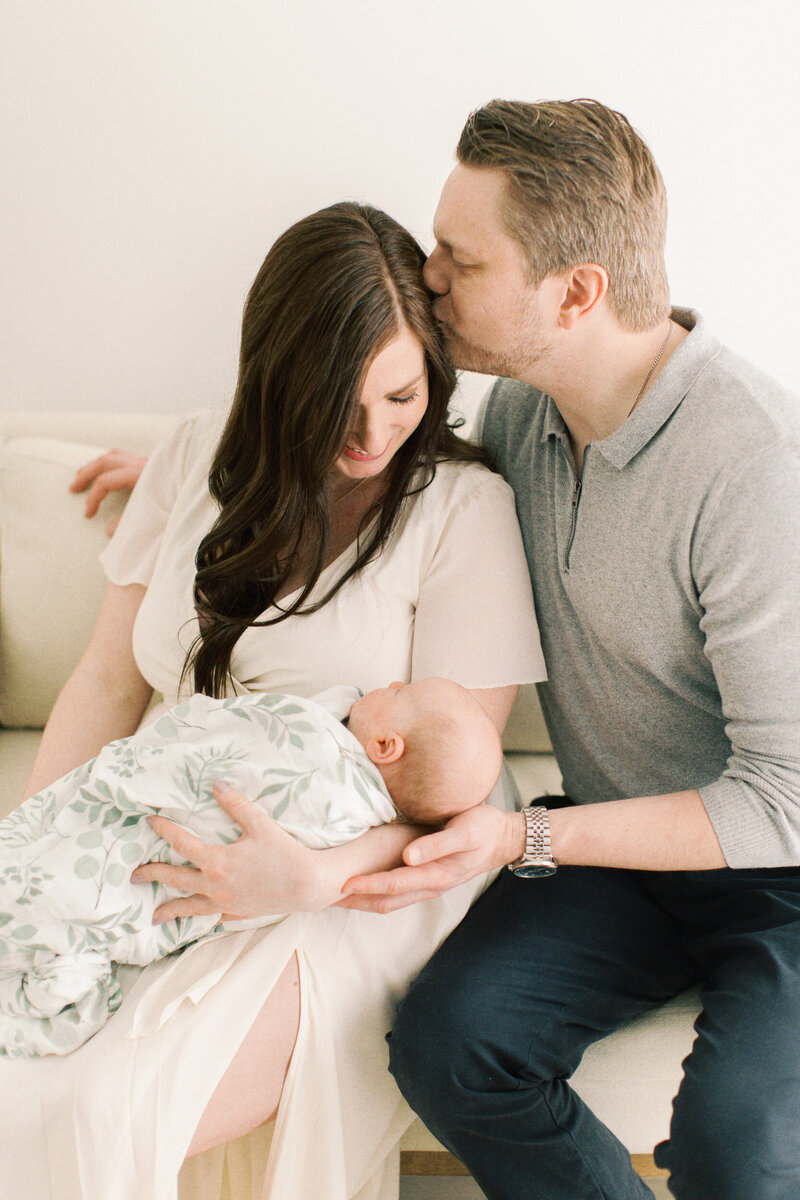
[
  {"x": 385, "y": 750},
  {"x": 584, "y": 288}
]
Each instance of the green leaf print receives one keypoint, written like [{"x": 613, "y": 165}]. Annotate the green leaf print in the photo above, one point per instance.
[
  {"x": 86, "y": 866},
  {"x": 23, "y": 933},
  {"x": 90, "y": 840},
  {"x": 132, "y": 852},
  {"x": 165, "y": 727},
  {"x": 280, "y": 809}
]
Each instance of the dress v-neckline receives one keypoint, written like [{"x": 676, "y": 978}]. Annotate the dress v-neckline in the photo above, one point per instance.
[{"x": 351, "y": 550}]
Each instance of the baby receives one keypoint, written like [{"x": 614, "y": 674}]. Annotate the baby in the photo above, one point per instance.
[{"x": 68, "y": 910}]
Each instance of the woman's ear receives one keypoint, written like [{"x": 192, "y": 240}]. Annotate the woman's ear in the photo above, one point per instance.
[{"x": 385, "y": 750}]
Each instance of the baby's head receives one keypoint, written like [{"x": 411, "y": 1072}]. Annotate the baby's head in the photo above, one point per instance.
[{"x": 437, "y": 750}]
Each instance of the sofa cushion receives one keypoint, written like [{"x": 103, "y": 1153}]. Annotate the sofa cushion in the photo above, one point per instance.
[
  {"x": 51, "y": 583},
  {"x": 17, "y": 752}
]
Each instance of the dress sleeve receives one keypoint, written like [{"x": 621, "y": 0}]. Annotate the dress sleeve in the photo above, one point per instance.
[
  {"x": 475, "y": 621},
  {"x": 131, "y": 554}
]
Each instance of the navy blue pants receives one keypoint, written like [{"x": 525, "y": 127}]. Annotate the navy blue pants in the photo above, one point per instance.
[{"x": 485, "y": 1042}]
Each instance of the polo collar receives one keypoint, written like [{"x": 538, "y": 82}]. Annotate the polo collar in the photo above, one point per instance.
[{"x": 659, "y": 403}]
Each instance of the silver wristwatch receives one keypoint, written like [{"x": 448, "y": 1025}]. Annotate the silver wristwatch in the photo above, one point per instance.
[{"x": 537, "y": 858}]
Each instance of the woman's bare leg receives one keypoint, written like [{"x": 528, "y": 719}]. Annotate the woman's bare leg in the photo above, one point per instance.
[{"x": 248, "y": 1093}]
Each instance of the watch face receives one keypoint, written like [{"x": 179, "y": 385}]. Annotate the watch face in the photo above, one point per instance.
[{"x": 535, "y": 870}]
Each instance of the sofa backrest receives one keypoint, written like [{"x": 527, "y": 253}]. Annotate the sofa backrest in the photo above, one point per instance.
[{"x": 51, "y": 584}]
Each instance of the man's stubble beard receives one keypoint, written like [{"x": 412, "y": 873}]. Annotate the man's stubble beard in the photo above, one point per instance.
[{"x": 518, "y": 363}]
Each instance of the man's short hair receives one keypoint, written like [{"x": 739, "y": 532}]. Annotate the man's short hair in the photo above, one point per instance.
[{"x": 582, "y": 188}]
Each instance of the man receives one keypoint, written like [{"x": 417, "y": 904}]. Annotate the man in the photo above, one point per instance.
[{"x": 658, "y": 487}]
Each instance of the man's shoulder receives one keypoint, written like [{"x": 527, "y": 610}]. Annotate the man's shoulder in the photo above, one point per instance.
[
  {"x": 742, "y": 399},
  {"x": 512, "y": 396},
  {"x": 513, "y": 409}
]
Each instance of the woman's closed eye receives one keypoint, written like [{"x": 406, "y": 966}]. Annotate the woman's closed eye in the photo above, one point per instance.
[{"x": 403, "y": 399}]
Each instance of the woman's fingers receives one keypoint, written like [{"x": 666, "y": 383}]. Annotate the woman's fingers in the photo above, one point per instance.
[
  {"x": 89, "y": 471},
  {"x": 184, "y": 879},
  {"x": 187, "y": 844},
  {"x": 111, "y": 472},
  {"x": 247, "y": 815},
  {"x": 109, "y": 481},
  {"x": 266, "y": 870},
  {"x": 185, "y": 906}
]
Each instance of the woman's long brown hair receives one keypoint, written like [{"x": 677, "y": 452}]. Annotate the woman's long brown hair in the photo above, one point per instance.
[{"x": 333, "y": 291}]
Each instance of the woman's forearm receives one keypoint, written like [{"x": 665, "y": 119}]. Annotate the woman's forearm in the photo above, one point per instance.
[
  {"x": 84, "y": 718},
  {"x": 103, "y": 699},
  {"x": 379, "y": 849}
]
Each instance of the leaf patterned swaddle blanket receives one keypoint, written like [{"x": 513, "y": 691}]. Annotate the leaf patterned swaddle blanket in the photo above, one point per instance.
[{"x": 68, "y": 911}]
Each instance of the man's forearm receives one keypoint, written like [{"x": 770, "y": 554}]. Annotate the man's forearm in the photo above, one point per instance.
[{"x": 648, "y": 833}]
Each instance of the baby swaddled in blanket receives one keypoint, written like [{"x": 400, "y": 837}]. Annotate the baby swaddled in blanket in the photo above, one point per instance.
[{"x": 68, "y": 910}]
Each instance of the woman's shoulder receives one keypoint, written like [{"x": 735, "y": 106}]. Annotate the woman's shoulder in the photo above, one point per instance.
[
  {"x": 193, "y": 440},
  {"x": 464, "y": 494},
  {"x": 456, "y": 481}
]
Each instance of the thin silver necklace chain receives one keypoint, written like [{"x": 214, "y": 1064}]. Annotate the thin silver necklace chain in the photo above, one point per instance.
[{"x": 653, "y": 366}]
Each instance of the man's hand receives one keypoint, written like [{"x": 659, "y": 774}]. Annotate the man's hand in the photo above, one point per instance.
[
  {"x": 265, "y": 871},
  {"x": 470, "y": 844},
  {"x": 111, "y": 472}
]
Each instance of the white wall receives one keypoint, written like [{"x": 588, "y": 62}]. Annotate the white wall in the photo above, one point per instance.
[{"x": 152, "y": 149}]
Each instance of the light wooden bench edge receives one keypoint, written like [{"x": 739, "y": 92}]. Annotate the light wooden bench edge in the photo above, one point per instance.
[{"x": 440, "y": 1162}]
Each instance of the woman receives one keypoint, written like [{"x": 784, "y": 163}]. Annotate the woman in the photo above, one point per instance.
[{"x": 338, "y": 533}]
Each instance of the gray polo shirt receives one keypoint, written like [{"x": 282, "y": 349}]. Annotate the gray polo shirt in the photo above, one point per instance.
[{"x": 667, "y": 587}]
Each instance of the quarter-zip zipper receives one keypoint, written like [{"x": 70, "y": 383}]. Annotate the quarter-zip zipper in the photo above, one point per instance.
[{"x": 576, "y": 499}]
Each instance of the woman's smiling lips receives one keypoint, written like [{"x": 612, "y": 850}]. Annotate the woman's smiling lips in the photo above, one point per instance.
[{"x": 361, "y": 456}]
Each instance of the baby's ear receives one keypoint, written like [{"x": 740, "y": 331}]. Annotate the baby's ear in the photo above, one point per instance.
[{"x": 385, "y": 750}]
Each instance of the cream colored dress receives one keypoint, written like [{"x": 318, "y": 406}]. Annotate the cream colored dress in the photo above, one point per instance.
[{"x": 450, "y": 596}]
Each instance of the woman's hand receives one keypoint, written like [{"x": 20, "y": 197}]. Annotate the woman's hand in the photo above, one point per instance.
[
  {"x": 265, "y": 871},
  {"x": 478, "y": 840},
  {"x": 111, "y": 472}
]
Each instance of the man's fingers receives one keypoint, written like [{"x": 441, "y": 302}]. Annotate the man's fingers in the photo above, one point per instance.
[
  {"x": 433, "y": 846},
  {"x": 401, "y": 881},
  {"x": 185, "y": 906},
  {"x": 385, "y": 904}
]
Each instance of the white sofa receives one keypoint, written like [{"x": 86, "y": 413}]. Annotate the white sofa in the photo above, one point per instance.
[{"x": 50, "y": 590}]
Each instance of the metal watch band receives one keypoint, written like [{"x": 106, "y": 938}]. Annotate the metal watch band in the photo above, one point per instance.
[{"x": 537, "y": 857}]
